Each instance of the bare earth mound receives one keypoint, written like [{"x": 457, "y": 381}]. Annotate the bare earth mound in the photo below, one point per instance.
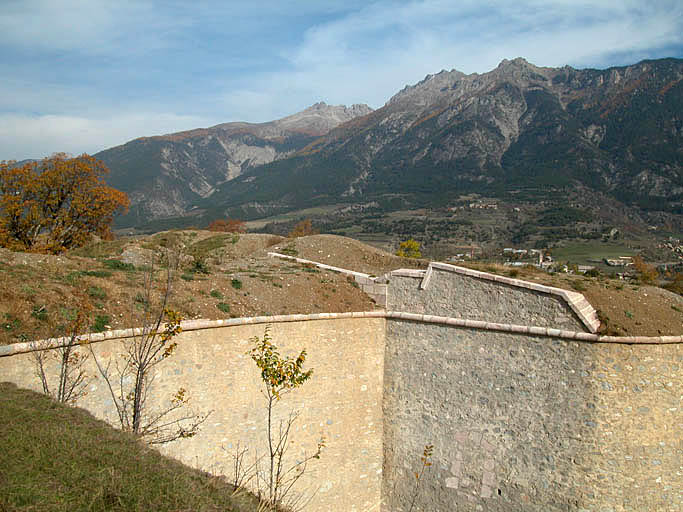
[{"x": 224, "y": 275}]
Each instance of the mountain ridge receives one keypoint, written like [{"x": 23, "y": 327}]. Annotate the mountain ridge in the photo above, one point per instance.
[
  {"x": 615, "y": 130},
  {"x": 165, "y": 174}
]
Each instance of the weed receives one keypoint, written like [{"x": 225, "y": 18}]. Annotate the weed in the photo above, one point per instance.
[
  {"x": 676, "y": 309},
  {"x": 578, "y": 286},
  {"x": 277, "y": 285},
  {"x": 114, "y": 264},
  {"x": 39, "y": 313},
  {"x": 69, "y": 314},
  {"x": 216, "y": 294},
  {"x": 187, "y": 277},
  {"x": 101, "y": 322},
  {"x": 236, "y": 284},
  {"x": 290, "y": 250},
  {"x": 628, "y": 314},
  {"x": 72, "y": 278},
  {"x": 28, "y": 290},
  {"x": 199, "y": 265},
  {"x": 96, "y": 292},
  {"x": 96, "y": 273},
  {"x": 222, "y": 306},
  {"x": 12, "y": 323}
]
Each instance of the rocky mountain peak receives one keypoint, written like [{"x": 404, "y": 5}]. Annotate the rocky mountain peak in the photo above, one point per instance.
[{"x": 320, "y": 118}]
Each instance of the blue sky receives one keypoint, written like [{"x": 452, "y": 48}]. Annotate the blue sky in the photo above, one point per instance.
[{"x": 84, "y": 75}]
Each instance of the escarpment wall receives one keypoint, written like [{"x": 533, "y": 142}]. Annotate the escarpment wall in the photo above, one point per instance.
[
  {"x": 530, "y": 423},
  {"x": 527, "y": 409},
  {"x": 342, "y": 401}
]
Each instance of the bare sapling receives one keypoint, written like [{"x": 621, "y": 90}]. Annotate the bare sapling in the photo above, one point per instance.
[
  {"x": 72, "y": 379},
  {"x": 130, "y": 379}
]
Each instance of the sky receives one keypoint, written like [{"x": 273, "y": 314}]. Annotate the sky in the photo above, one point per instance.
[{"x": 85, "y": 75}]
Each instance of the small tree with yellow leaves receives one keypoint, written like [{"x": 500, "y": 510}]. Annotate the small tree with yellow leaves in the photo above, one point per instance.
[
  {"x": 280, "y": 375},
  {"x": 409, "y": 249}
]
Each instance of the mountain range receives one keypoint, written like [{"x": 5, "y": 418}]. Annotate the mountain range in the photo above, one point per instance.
[
  {"x": 517, "y": 132},
  {"x": 165, "y": 175}
]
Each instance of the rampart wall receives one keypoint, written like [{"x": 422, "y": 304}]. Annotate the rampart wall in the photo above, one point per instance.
[
  {"x": 531, "y": 423},
  {"x": 342, "y": 401},
  {"x": 527, "y": 408}
]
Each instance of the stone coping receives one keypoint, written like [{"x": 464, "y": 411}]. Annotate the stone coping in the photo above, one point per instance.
[
  {"x": 319, "y": 265},
  {"x": 576, "y": 301},
  {"x": 195, "y": 325}
]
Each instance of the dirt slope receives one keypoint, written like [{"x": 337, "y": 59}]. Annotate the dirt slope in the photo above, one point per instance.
[{"x": 223, "y": 275}]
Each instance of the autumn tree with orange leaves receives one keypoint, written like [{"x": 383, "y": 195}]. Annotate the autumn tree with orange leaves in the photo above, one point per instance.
[
  {"x": 228, "y": 226},
  {"x": 56, "y": 204}
]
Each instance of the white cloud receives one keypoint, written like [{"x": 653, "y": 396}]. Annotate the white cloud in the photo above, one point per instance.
[
  {"x": 24, "y": 136},
  {"x": 343, "y": 52}
]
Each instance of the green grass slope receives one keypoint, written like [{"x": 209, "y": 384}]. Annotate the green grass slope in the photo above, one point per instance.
[{"x": 57, "y": 458}]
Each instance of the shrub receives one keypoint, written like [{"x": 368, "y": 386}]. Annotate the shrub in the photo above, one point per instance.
[
  {"x": 676, "y": 285},
  {"x": 224, "y": 307},
  {"x": 100, "y": 323},
  {"x": 187, "y": 277},
  {"x": 216, "y": 294},
  {"x": 96, "y": 292},
  {"x": 409, "y": 249},
  {"x": 118, "y": 265},
  {"x": 303, "y": 228},
  {"x": 236, "y": 284},
  {"x": 646, "y": 273},
  {"x": 228, "y": 226}
]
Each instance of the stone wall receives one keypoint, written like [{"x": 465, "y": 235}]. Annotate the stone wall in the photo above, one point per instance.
[
  {"x": 530, "y": 423},
  {"x": 526, "y": 407},
  {"x": 341, "y": 402},
  {"x": 453, "y": 294}
]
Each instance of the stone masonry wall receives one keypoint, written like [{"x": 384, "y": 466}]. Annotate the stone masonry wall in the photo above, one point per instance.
[
  {"x": 341, "y": 402},
  {"x": 530, "y": 423},
  {"x": 455, "y": 295}
]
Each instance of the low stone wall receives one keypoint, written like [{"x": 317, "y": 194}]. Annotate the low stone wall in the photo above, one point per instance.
[
  {"x": 530, "y": 423},
  {"x": 375, "y": 288},
  {"x": 342, "y": 400}
]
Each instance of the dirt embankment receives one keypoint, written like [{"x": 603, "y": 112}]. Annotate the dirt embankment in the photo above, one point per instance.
[{"x": 223, "y": 275}]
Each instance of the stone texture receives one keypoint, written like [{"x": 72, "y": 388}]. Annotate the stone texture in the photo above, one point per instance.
[
  {"x": 530, "y": 423},
  {"x": 456, "y": 295},
  {"x": 342, "y": 401}
]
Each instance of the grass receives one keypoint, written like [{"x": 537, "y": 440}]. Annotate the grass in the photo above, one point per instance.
[
  {"x": 587, "y": 252},
  {"x": 97, "y": 292},
  {"x": 115, "y": 264},
  {"x": 100, "y": 323},
  {"x": 59, "y": 459}
]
